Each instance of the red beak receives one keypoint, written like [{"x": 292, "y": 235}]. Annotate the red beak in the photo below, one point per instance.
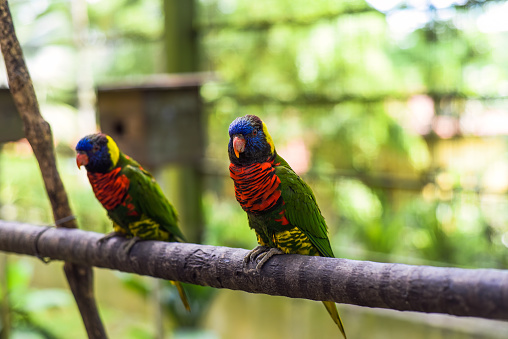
[
  {"x": 238, "y": 145},
  {"x": 81, "y": 159}
]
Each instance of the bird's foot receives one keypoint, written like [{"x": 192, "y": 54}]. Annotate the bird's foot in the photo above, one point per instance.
[
  {"x": 260, "y": 254},
  {"x": 263, "y": 257},
  {"x": 108, "y": 236},
  {"x": 128, "y": 245},
  {"x": 254, "y": 253}
]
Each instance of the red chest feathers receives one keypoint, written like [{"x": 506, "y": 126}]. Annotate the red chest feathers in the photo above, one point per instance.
[
  {"x": 109, "y": 188},
  {"x": 256, "y": 186}
]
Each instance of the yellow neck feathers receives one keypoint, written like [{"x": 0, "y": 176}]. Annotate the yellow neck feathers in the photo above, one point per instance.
[
  {"x": 268, "y": 138},
  {"x": 114, "y": 152}
]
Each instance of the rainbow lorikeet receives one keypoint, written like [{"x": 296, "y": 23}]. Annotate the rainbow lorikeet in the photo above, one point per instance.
[
  {"x": 129, "y": 193},
  {"x": 280, "y": 206}
]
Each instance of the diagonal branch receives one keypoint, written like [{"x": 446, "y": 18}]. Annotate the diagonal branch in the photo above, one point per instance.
[
  {"x": 38, "y": 133},
  {"x": 463, "y": 292},
  {"x": 37, "y": 130}
]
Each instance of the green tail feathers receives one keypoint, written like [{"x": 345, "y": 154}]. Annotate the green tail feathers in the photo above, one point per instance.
[
  {"x": 183, "y": 296},
  {"x": 332, "y": 309}
]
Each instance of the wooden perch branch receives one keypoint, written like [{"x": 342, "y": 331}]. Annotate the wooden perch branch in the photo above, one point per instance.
[
  {"x": 38, "y": 133},
  {"x": 463, "y": 292}
]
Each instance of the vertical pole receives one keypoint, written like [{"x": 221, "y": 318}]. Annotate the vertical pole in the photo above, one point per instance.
[
  {"x": 181, "y": 47},
  {"x": 183, "y": 180},
  {"x": 183, "y": 185},
  {"x": 190, "y": 188},
  {"x": 180, "y": 38}
]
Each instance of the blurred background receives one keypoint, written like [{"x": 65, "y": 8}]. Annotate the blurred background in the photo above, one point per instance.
[{"x": 395, "y": 112}]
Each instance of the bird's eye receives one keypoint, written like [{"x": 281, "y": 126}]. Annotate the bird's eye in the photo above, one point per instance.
[
  {"x": 255, "y": 132},
  {"x": 96, "y": 148}
]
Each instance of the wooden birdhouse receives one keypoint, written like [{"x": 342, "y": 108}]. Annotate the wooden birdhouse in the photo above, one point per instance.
[
  {"x": 157, "y": 121},
  {"x": 11, "y": 126}
]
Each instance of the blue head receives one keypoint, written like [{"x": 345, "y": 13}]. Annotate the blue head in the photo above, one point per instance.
[
  {"x": 97, "y": 152},
  {"x": 249, "y": 141}
]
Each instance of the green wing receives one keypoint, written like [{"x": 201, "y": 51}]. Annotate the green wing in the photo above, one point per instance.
[
  {"x": 148, "y": 198},
  {"x": 302, "y": 210}
]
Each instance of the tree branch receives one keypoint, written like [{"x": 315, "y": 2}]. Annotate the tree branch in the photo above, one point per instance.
[
  {"x": 38, "y": 133},
  {"x": 463, "y": 292},
  {"x": 37, "y": 130}
]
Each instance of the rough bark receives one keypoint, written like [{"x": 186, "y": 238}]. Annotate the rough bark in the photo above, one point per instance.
[
  {"x": 463, "y": 292},
  {"x": 38, "y": 133}
]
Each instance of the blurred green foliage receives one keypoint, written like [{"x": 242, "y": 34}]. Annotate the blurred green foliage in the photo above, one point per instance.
[
  {"x": 343, "y": 83},
  {"x": 26, "y": 302}
]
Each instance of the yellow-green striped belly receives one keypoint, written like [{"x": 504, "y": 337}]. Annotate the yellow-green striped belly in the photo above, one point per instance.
[
  {"x": 148, "y": 229},
  {"x": 294, "y": 241}
]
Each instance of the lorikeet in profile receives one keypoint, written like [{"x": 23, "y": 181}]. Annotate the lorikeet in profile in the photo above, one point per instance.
[
  {"x": 280, "y": 206},
  {"x": 133, "y": 199}
]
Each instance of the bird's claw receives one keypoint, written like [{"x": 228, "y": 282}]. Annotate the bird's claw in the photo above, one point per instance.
[
  {"x": 265, "y": 256},
  {"x": 128, "y": 245},
  {"x": 253, "y": 254},
  {"x": 107, "y": 237},
  {"x": 260, "y": 254}
]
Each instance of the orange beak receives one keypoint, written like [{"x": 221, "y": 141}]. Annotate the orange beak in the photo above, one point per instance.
[
  {"x": 238, "y": 145},
  {"x": 81, "y": 159}
]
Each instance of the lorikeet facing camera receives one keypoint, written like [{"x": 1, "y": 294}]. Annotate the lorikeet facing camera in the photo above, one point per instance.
[
  {"x": 131, "y": 196},
  {"x": 280, "y": 206}
]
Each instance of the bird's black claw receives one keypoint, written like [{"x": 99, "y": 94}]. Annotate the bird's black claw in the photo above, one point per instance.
[
  {"x": 260, "y": 254},
  {"x": 108, "y": 236},
  {"x": 128, "y": 245},
  {"x": 265, "y": 256},
  {"x": 253, "y": 254}
]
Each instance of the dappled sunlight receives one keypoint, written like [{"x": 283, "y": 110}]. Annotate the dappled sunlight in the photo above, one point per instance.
[{"x": 297, "y": 154}]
